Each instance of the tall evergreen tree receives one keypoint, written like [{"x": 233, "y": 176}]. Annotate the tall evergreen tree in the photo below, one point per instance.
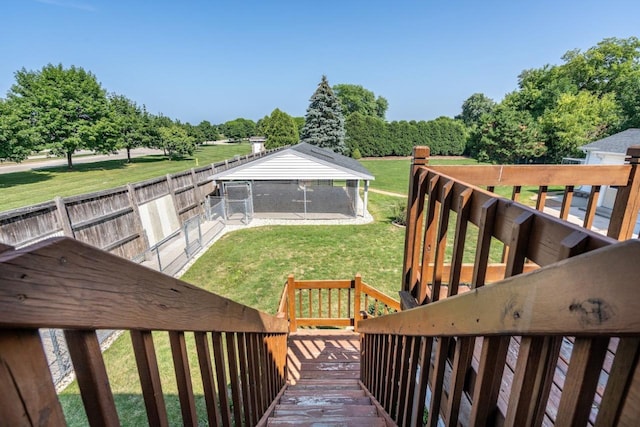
[{"x": 324, "y": 123}]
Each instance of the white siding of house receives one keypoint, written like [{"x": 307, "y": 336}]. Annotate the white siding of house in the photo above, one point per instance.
[
  {"x": 607, "y": 194},
  {"x": 288, "y": 166}
]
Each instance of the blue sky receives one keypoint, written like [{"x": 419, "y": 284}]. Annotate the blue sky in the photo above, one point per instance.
[{"x": 219, "y": 60}]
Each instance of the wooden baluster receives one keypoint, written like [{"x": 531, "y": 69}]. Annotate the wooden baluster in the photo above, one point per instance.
[
  {"x": 388, "y": 367},
  {"x": 515, "y": 193},
  {"x": 415, "y": 209},
  {"x": 149, "y": 377},
  {"x": 221, "y": 376},
  {"x": 566, "y": 202},
  {"x": 206, "y": 372},
  {"x": 406, "y": 398},
  {"x": 329, "y": 298},
  {"x": 627, "y": 203},
  {"x": 28, "y": 394},
  {"x": 357, "y": 304},
  {"x": 542, "y": 198},
  {"x": 591, "y": 207},
  {"x": 494, "y": 349},
  {"x": 234, "y": 376},
  {"x": 460, "y": 365},
  {"x": 441, "y": 246},
  {"x": 619, "y": 384},
  {"x": 439, "y": 366},
  {"x": 483, "y": 248},
  {"x": 254, "y": 378},
  {"x": 183, "y": 378},
  {"x": 310, "y": 303},
  {"x": 429, "y": 241},
  {"x": 537, "y": 360},
  {"x": 339, "y": 303},
  {"x": 320, "y": 303},
  {"x": 396, "y": 351},
  {"x": 91, "y": 374},
  {"x": 264, "y": 374},
  {"x": 424, "y": 363},
  {"x": 291, "y": 299},
  {"x": 464, "y": 210},
  {"x": 582, "y": 380}
]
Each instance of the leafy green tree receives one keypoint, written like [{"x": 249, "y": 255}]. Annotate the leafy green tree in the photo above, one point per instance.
[
  {"x": 238, "y": 129},
  {"x": 64, "y": 106},
  {"x": 280, "y": 129},
  {"x": 176, "y": 141},
  {"x": 324, "y": 123},
  {"x": 17, "y": 136},
  {"x": 576, "y": 120},
  {"x": 207, "y": 131},
  {"x": 474, "y": 107},
  {"x": 124, "y": 124},
  {"x": 355, "y": 98},
  {"x": 299, "y": 124},
  {"x": 507, "y": 135},
  {"x": 367, "y": 135},
  {"x": 444, "y": 135},
  {"x": 403, "y": 136}
]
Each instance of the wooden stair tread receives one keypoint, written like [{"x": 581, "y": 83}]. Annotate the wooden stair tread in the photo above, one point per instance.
[
  {"x": 317, "y": 400},
  {"x": 329, "y": 421},
  {"x": 322, "y": 411},
  {"x": 324, "y": 393}
]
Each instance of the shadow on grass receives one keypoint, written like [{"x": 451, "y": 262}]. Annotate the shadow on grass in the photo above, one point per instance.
[
  {"x": 42, "y": 174},
  {"x": 131, "y": 409}
]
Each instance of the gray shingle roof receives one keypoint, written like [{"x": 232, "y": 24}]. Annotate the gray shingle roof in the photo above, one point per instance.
[
  {"x": 330, "y": 156},
  {"x": 617, "y": 143}
]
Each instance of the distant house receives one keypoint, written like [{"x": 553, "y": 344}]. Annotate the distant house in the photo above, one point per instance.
[
  {"x": 299, "y": 182},
  {"x": 257, "y": 143},
  {"x": 610, "y": 151}
]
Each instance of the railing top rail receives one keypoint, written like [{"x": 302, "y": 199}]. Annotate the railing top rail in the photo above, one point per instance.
[
  {"x": 63, "y": 283},
  {"x": 324, "y": 284},
  {"x": 537, "y": 175},
  {"x": 590, "y": 294},
  {"x": 547, "y": 232}
]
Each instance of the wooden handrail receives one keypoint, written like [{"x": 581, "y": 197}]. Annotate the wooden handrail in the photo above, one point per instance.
[
  {"x": 346, "y": 308},
  {"x": 485, "y": 355},
  {"x": 593, "y": 293},
  {"x": 63, "y": 283}
]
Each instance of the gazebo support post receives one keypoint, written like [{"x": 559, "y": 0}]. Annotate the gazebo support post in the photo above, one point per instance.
[{"x": 366, "y": 197}]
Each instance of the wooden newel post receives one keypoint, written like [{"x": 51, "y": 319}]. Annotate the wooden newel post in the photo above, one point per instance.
[
  {"x": 414, "y": 208},
  {"x": 291, "y": 300},
  {"x": 356, "y": 301},
  {"x": 627, "y": 203}
]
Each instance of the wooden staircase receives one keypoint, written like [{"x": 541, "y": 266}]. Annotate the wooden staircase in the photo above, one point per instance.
[{"x": 324, "y": 389}]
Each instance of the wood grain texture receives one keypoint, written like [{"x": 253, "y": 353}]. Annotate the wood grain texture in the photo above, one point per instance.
[
  {"x": 63, "y": 283},
  {"x": 91, "y": 374},
  {"x": 147, "y": 363},
  {"x": 549, "y": 175},
  {"x": 28, "y": 395},
  {"x": 534, "y": 303}
]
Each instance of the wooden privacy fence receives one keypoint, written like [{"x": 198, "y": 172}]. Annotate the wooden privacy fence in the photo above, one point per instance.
[
  {"x": 110, "y": 219},
  {"x": 479, "y": 358},
  {"x": 63, "y": 283},
  {"x": 337, "y": 303}
]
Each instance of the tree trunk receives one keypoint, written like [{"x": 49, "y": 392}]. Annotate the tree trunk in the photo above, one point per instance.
[
  {"x": 128, "y": 155},
  {"x": 69, "y": 161}
]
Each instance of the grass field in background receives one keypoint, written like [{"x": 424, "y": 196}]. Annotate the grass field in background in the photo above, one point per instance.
[
  {"x": 250, "y": 266},
  {"x": 34, "y": 186}
]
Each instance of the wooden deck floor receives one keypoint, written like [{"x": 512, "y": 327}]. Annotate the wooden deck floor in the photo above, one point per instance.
[
  {"x": 323, "y": 354},
  {"x": 324, "y": 387}
]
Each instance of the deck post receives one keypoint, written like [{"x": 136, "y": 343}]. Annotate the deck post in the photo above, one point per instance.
[
  {"x": 291, "y": 298},
  {"x": 627, "y": 203},
  {"x": 356, "y": 301},
  {"x": 420, "y": 158}
]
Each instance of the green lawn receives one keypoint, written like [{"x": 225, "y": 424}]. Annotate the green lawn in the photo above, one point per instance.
[
  {"x": 393, "y": 174},
  {"x": 30, "y": 187},
  {"x": 250, "y": 266}
]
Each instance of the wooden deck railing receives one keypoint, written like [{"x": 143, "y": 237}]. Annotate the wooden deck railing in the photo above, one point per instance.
[
  {"x": 338, "y": 303},
  {"x": 62, "y": 283},
  {"x": 454, "y": 231}
]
